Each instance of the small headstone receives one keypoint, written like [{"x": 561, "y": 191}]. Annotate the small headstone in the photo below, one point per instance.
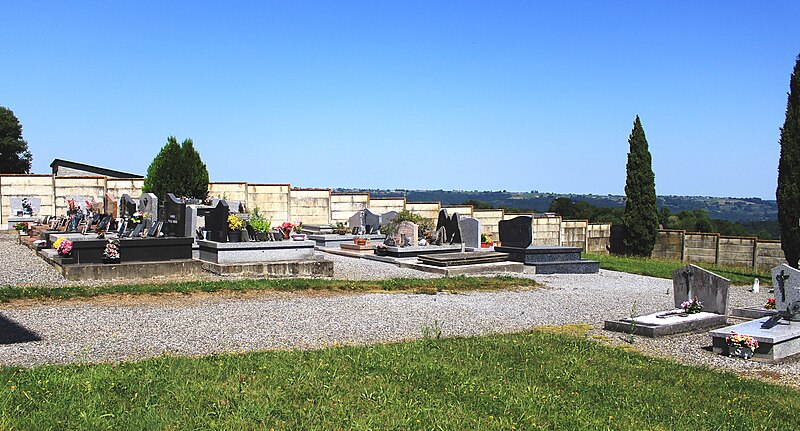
[
  {"x": 148, "y": 206},
  {"x": 517, "y": 232},
  {"x": 710, "y": 289},
  {"x": 406, "y": 234},
  {"x": 174, "y": 216},
  {"x": 137, "y": 231},
  {"x": 111, "y": 206},
  {"x": 152, "y": 230},
  {"x": 470, "y": 229},
  {"x": 217, "y": 222},
  {"x": 127, "y": 206},
  {"x": 356, "y": 221},
  {"x": 786, "y": 282},
  {"x": 372, "y": 221}
]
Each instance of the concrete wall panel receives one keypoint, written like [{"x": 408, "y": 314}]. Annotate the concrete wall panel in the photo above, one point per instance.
[
  {"x": 344, "y": 205},
  {"x": 310, "y": 206}
]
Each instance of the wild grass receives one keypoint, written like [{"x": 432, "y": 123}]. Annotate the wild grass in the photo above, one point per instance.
[
  {"x": 662, "y": 268},
  {"x": 548, "y": 379},
  {"x": 416, "y": 285}
]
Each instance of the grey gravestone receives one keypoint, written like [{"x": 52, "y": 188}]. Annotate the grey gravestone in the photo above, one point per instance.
[
  {"x": 27, "y": 206},
  {"x": 217, "y": 222},
  {"x": 450, "y": 225},
  {"x": 148, "y": 206},
  {"x": 174, "y": 216},
  {"x": 470, "y": 231},
  {"x": 406, "y": 234},
  {"x": 356, "y": 221},
  {"x": 372, "y": 221},
  {"x": 127, "y": 206},
  {"x": 786, "y": 282},
  {"x": 137, "y": 231},
  {"x": 517, "y": 232},
  {"x": 692, "y": 282}
]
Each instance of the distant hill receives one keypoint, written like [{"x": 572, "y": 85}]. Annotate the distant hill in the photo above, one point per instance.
[{"x": 732, "y": 209}]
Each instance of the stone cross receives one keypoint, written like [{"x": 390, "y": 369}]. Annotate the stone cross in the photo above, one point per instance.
[
  {"x": 787, "y": 291},
  {"x": 710, "y": 289}
]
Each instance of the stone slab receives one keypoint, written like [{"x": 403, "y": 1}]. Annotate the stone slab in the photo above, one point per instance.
[
  {"x": 88, "y": 251},
  {"x": 466, "y": 258},
  {"x": 777, "y": 339},
  {"x": 131, "y": 271},
  {"x": 251, "y": 252},
  {"x": 582, "y": 266},
  {"x": 307, "y": 268},
  {"x": 479, "y": 268},
  {"x": 357, "y": 247},
  {"x": 752, "y": 312},
  {"x": 650, "y": 325},
  {"x": 542, "y": 253},
  {"x": 333, "y": 240},
  {"x": 417, "y": 250}
]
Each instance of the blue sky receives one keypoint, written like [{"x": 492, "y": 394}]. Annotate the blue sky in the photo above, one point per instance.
[{"x": 418, "y": 95}]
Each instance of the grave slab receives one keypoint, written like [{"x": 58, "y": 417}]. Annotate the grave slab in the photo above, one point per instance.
[
  {"x": 670, "y": 322},
  {"x": 459, "y": 259},
  {"x": 551, "y": 259},
  {"x": 310, "y": 268},
  {"x": 248, "y": 252},
  {"x": 477, "y": 268},
  {"x": 414, "y": 251},
  {"x": 333, "y": 240},
  {"x": 777, "y": 338},
  {"x": 752, "y": 312}
]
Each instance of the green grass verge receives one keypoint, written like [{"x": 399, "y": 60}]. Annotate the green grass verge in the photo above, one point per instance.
[
  {"x": 417, "y": 285},
  {"x": 543, "y": 379},
  {"x": 663, "y": 268}
]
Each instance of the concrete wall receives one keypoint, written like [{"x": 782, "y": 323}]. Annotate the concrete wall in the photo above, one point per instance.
[
  {"x": 713, "y": 249},
  {"x": 547, "y": 230},
  {"x": 490, "y": 220},
  {"x": 736, "y": 251},
  {"x": 310, "y": 206},
  {"x": 78, "y": 187},
  {"x": 598, "y": 237},
  {"x": 234, "y": 191},
  {"x": 344, "y": 205},
  {"x": 20, "y": 186},
  {"x": 574, "y": 233},
  {"x": 428, "y": 210},
  {"x": 461, "y": 210},
  {"x": 669, "y": 245},
  {"x": 700, "y": 247},
  {"x": 768, "y": 255},
  {"x": 116, "y": 187},
  {"x": 383, "y": 205},
  {"x": 272, "y": 201}
]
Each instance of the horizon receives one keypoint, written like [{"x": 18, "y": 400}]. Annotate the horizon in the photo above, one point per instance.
[{"x": 415, "y": 95}]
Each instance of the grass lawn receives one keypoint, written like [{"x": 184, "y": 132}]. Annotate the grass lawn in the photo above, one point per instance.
[
  {"x": 549, "y": 379},
  {"x": 416, "y": 285},
  {"x": 663, "y": 268}
]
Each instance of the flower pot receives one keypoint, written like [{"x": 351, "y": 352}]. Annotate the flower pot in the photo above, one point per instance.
[
  {"x": 740, "y": 352},
  {"x": 234, "y": 236},
  {"x": 299, "y": 236},
  {"x": 262, "y": 236},
  {"x": 486, "y": 245}
]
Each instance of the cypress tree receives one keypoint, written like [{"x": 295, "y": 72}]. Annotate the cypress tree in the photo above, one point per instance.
[
  {"x": 788, "y": 193},
  {"x": 14, "y": 155},
  {"x": 641, "y": 214},
  {"x": 177, "y": 169}
]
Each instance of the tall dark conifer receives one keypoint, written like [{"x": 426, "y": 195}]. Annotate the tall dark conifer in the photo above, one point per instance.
[
  {"x": 788, "y": 193},
  {"x": 177, "y": 169},
  {"x": 641, "y": 214}
]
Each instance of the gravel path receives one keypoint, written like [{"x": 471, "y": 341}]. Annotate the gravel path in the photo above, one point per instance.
[{"x": 130, "y": 328}]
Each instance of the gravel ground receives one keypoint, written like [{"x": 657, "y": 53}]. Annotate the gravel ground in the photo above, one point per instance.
[{"x": 122, "y": 328}]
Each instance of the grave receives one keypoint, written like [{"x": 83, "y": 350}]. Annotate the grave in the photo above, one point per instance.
[
  {"x": 451, "y": 227},
  {"x": 516, "y": 236},
  {"x": 127, "y": 206},
  {"x": 779, "y": 335},
  {"x": 470, "y": 229},
  {"x": 174, "y": 217},
  {"x": 371, "y": 222},
  {"x": 89, "y": 250},
  {"x": 688, "y": 283},
  {"x": 335, "y": 240},
  {"x": 148, "y": 206},
  {"x": 466, "y": 258},
  {"x": 406, "y": 234},
  {"x": 24, "y": 210},
  {"x": 414, "y": 251},
  {"x": 263, "y": 251}
]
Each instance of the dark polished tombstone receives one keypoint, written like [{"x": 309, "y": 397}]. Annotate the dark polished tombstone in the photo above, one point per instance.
[
  {"x": 174, "y": 216},
  {"x": 451, "y": 227},
  {"x": 517, "y": 232},
  {"x": 127, "y": 206},
  {"x": 217, "y": 222},
  {"x": 372, "y": 222}
]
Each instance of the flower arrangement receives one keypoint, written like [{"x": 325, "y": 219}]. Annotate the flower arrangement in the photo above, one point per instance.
[
  {"x": 770, "y": 304},
  {"x": 235, "y": 223},
  {"x": 485, "y": 238},
  {"x": 136, "y": 217},
  {"x": 63, "y": 246},
  {"x": 298, "y": 227},
  {"x": 112, "y": 249},
  {"x": 738, "y": 340},
  {"x": 72, "y": 207},
  {"x": 21, "y": 226},
  {"x": 692, "y": 306}
]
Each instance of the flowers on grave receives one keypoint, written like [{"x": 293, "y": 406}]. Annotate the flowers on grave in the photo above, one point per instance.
[
  {"x": 63, "y": 246},
  {"x": 692, "y": 306},
  {"x": 111, "y": 251},
  {"x": 22, "y": 226},
  {"x": 72, "y": 208},
  {"x": 770, "y": 304},
  {"x": 136, "y": 217},
  {"x": 288, "y": 227},
  {"x": 235, "y": 223},
  {"x": 737, "y": 340}
]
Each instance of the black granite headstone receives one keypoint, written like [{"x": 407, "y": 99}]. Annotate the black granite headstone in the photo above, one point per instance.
[
  {"x": 217, "y": 222},
  {"x": 174, "y": 216},
  {"x": 451, "y": 227},
  {"x": 127, "y": 206},
  {"x": 517, "y": 232},
  {"x": 251, "y": 233}
]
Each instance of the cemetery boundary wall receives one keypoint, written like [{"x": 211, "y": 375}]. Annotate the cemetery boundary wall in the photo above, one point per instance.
[
  {"x": 283, "y": 202},
  {"x": 715, "y": 249}
]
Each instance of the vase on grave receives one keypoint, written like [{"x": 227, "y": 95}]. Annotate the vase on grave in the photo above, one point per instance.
[
  {"x": 234, "y": 236},
  {"x": 740, "y": 352},
  {"x": 299, "y": 236}
]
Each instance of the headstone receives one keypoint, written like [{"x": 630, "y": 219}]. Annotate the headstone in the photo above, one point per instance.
[
  {"x": 148, "y": 206},
  {"x": 372, "y": 221},
  {"x": 137, "y": 231},
  {"x": 152, "y": 230},
  {"x": 517, "y": 232},
  {"x": 450, "y": 225},
  {"x": 25, "y": 206},
  {"x": 710, "y": 289},
  {"x": 217, "y": 222},
  {"x": 111, "y": 206},
  {"x": 127, "y": 206},
  {"x": 387, "y": 217},
  {"x": 786, "y": 282},
  {"x": 470, "y": 229},
  {"x": 356, "y": 222},
  {"x": 174, "y": 216},
  {"x": 251, "y": 232},
  {"x": 406, "y": 234}
]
